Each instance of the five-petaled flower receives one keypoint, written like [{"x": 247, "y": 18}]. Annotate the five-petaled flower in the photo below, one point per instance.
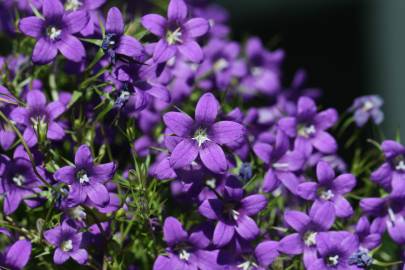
[
  {"x": 177, "y": 34},
  {"x": 55, "y": 32},
  {"x": 86, "y": 180},
  {"x": 203, "y": 136},
  {"x": 67, "y": 241}
]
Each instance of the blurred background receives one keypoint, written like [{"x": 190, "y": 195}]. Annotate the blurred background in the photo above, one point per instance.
[{"x": 348, "y": 47}]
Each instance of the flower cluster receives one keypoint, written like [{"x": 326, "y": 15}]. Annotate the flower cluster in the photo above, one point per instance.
[{"x": 133, "y": 138}]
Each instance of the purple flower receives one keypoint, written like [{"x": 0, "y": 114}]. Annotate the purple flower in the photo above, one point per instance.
[
  {"x": 91, "y": 7},
  {"x": 86, "y": 179},
  {"x": 233, "y": 213},
  {"x": 384, "y": 211},
  {"x": 17, "y": 180},
  {"x": 137, "y": 89},
  {"x": 367, "y": 239},
  {"x": 329, "y": 189},
  {"x": 221, "y": 61},
  {"x": 185, "y": 251},
  {"x": 115, "y": 42},
  {"x": 67, "y": 241},
  {"x": 39, "y": 118},
  {"x": 367, "y": 107},
  {"x": 391, "y": 174},
  {"x": 203, "y": 136},
  {"x": 308, "y": 127},
  {"x": 335, "y": 250},
  {"x": 177, "y": 33},
  {"x": 263, "y": 256},
  {"x": 282, "y": 163},
  {"x": 55, "y": 32},
  {"x": 263, "y": 69},
  {"x": 16, "y": 256},
  {"x": 320, "y": 219}
]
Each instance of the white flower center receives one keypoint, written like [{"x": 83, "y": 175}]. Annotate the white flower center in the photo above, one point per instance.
[
  {"x": 19, "y": 180},
  {"x": 400, "y": 166},
  {"x": 200, "y": 136},
  {"x": 184, "y": 255},
  {"x": 256, "y": 71},
  {"x": 310, "y": 239},
  {"x": 280, "y": 165},
  {"x": 221, "y": 64},
  {"x": 235, "y": 214},
  {"x": 53, "y": 32},
  {"x": 327, "y": 195},
  {"x": 248, "y": 265},
  {"x": 211, "y": 183},
  {"x": 73, "y": 5},
  {"x": 82, "y": 177},
  {"x": 174, "y": 37},
  {"x": 67, "y": 246},
  {"x": 367, "y": 106},
  {"x": 333, "y": 260},
  {"x": 307, "y": 130}
]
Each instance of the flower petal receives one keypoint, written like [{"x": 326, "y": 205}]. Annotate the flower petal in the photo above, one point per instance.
[
  {"x": 71, "y": 48},
  {"x": 173, "y": 231},
  {"x": 75, "y": 21},
  {"x": 291, "y": 244},
  {"x": 80, "y": 256},
  {"x": 83, "y": 156},
  {"x": 223, "y": 234},
  {"x": 323, "y": 215},
  {"x": 227, "y": 132},
  {"x": 129, "y": 46},
  {"x": 52, "y": 9},
  {"x": 253, "y": 204},
  {"x": 296, "y": 220},
  {"x": 163, "y": 51},
  {"x": 98, "y": 194},
  {"x": 66, "y": 174},
  {"x": 59, "y": 257},
  {"x": 207, "y": 109},
  {"x": 246, "y": 227},
  {"x": 31, "y": 26},
  {"x": 213, "y": 157},
  {"x": 115, "y": 22},
  {"x": 155, "y": 24},
  {"x": 18, "y": 254},
  {"x": 55, "y": 131},
  {"x": 44, "y": 52},
  {"x": 196, "y": 27},
  {"x": 177, "y": 10},
  {"x": 325, "y": 143},
  {"x": 324, "y": 173},
  {"x": 307, "y": 190},
  {"x": 184, "y": 153},
  {"x": 192, "y": 51},
  {"x": 266, "y": 252},
  {"x": 344, "y": 183}
]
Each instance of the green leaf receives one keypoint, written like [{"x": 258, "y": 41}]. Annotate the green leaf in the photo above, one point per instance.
[
  {"x": 96, "y": 42},
  {"x": 75, "y": 97}
]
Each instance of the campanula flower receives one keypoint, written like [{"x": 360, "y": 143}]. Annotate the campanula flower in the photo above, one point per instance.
[
  {"x": 203, "y": 136},
  {"x": 87, "y": 180},
  {"x": 39, "y": 118},
  {"x": 176, "y": 33},
  {"x": 185, "y": 251},
  {"x": 67, "y": 241},
  {"x": 367, "y": 107},
  {"x": 16, "y": 256},
  {"x": 329, "y": 189},
  {"x": 55, "y": 32},
  {"x": 115, "y": 42}
]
